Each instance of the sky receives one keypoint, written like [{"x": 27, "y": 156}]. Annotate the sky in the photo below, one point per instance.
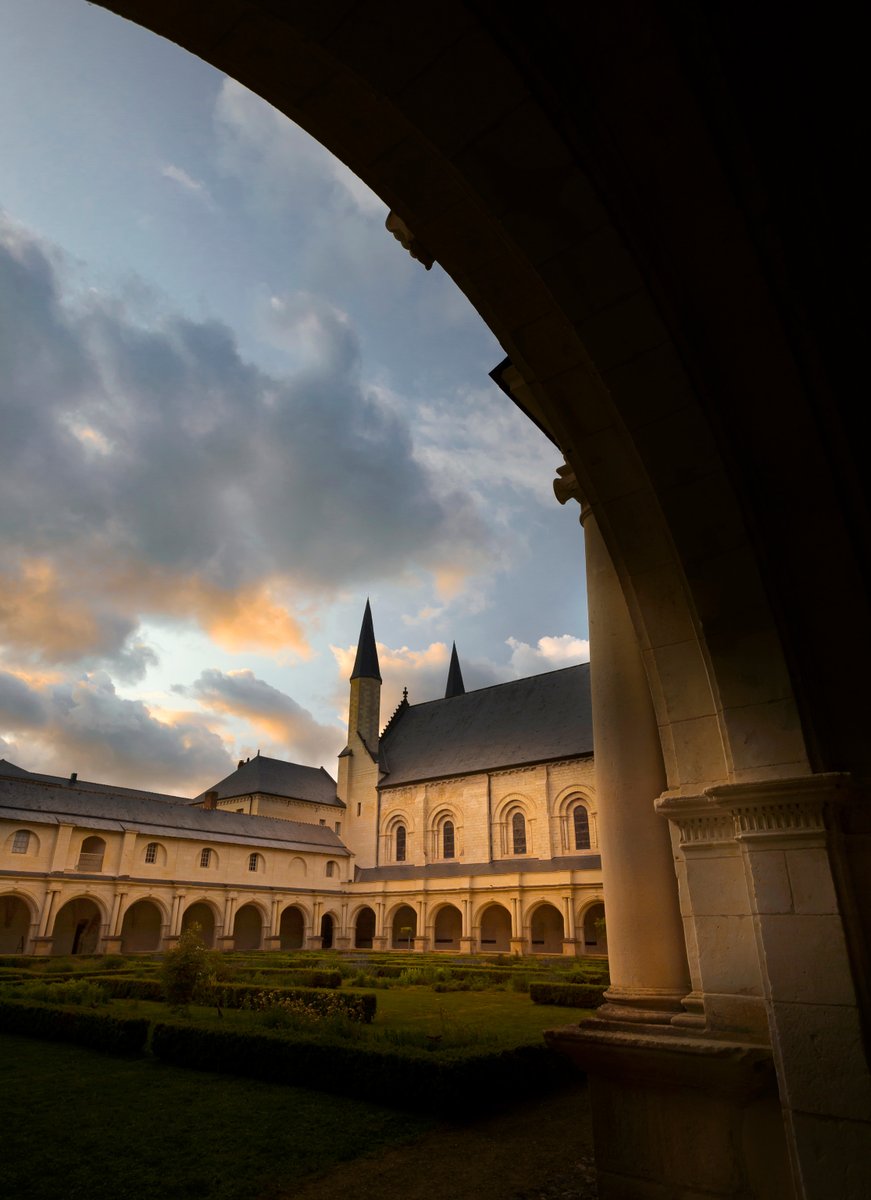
[{"x": 233, "y": 408}]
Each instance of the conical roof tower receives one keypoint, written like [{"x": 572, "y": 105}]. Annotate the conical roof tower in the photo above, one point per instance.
[
  {"x": 366, "y": 663},
  {"x": 455, "y": 686}
]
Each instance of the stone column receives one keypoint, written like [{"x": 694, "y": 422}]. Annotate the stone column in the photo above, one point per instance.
[
  {"x": 570, "y": 942},
  {"x": 517, "y": 943},
  {"x": 225, "y": 941},
  {"x": 646, "y": 948},
  {"x": 467, "y": 940},
  {"x": 421, "y": 941},
  {"x": 42, "y": 944},
  {"x": 380, "y": 941},
  {"x": 272, "y": 939}
]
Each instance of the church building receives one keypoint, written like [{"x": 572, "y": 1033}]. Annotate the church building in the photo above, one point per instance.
[{"x": 466, "y": 824}]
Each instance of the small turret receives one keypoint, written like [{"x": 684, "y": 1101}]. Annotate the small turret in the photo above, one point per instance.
[
  {"x": 358, "y": 762},
  {"x": 455, "y": 686}
]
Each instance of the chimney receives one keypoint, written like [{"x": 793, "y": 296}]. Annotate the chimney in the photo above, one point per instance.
[
  {"x": 73, "y": 778},
  {"x": 210, "y": 800}
]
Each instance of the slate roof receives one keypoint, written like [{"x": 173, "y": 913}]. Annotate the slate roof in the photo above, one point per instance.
[
  {"x": 274, "y": 777},
  {"x": 540, "y": 719},
  {"x": 31, "y": 800},
  {"x": 366, "y": 663},
  {"x": 8, "y": 769},
  {"x": 439, "y": 870}
]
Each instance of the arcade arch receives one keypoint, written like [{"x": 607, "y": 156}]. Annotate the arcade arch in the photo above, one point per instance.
[
  {"x": 78, "y": 927},
  {"x": 203, "y": 914},
  {"x": 17, "y": 915},
  {"x": 291, "y": 930},
  {"x": 142, "y": 927},
  {"x": 364, "y": 929},
  {"x": 495, "y": 929},
  {"x": 546, "y": 929},
  {"x": 447, "y": 928},
  {"x": 403, "y": 927},
  {"x": 248, "y": 928}
]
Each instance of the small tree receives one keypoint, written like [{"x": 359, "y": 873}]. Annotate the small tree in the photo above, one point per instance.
[{"x": 185, "y": 969}]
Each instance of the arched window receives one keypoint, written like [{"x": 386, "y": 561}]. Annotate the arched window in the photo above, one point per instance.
[
  {"x": 401, "y": 842},
  {"x": 91, "y": 854},
  {"x": 205, "y": 857},
  {"x": 21, "y": 842},
  {"x": 151, "y": 852},
  {"x": 253, "y": 862},
  {"x": 448, "y": 845},
  {"x": 518, "y": 833},
  {"x": 331, "y": 869},
  {"x": 581, "y": 823}
]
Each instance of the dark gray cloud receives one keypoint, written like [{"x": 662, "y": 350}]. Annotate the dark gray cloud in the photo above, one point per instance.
[
  {"x": 146, "y": 469},
  {"x": 83, "y": 725}
]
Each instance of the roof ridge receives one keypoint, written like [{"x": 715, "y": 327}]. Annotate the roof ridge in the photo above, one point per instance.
[{"x": 505, "y": 683}]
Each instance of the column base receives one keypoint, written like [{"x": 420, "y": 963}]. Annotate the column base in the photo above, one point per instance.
[
  {"x": 42, "y": 947},
  {"x": 112, "y": 945},
  {"x": 315, "y": 942},
  {"x": 170, "y": 941},
  {"x": 421, "y": 944},
  {"x": 467, "y": 945},
  {"x": 518, "y": 946},
  {"x": 380, "y": 944},
  {"x": 342, "y": 943},
  {"x": 225, "y": 943},
  {"x": 272, "y": 942},
  {"x": 641, "y": 1006},
  {"x": 572, "y": 947},
  {"x": 677, "y": 1115}
]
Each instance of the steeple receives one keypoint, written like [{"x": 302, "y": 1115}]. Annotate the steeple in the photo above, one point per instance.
[
  {"x": 455, "y": 677},
  {"x": 366, "y": 662}
]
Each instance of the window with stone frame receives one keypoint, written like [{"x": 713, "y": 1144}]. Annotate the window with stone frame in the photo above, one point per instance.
[
  {"x": 401, "y": 843},
  {"x": 205, "y": 857},
  {"x": 448, "y": 840},
  {"x": 518, "y": 833},
  {"x": 151, "y": 852},
  {"x": 581, "y": 827},
  {"x": 253, "y": 862},
  {"x": 21, "y": 841}
]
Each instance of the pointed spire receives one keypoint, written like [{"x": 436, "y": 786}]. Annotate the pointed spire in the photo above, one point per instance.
[
  {"x": 366, "y": 662},
  {"x": 455, "y": 686}
]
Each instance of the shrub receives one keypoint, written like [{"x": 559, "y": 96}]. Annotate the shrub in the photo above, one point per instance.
[
  {"x": 185, "y": 969},
  {"x": 113, "y": 1035},
  {"x": 355, "y": 1006},
  {"x": 568, "y": 995},
  {"x": 82, "y": 993}
]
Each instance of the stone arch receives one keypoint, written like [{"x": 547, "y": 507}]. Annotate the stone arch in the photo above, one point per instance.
[
  {"x": 397, "y": 845},
  {"x": 364, "y": 928},
  {"x": 296, "y": 868},
  {"x": 78, "y": 926},
  {"x": 546, "y": 928},
  {"x": 593, "y": 333},
  {"x": 513, "y": 819},
  {"x": 403, "y": 927},
  {"x": 591, "y": 920},
  {"x": 16, "y": 844},
  {"x": 92, "y": 853},
  {"x": 494, "y": 923},
  {"x": 327, "y": 929},
  {"x": 18, "y": 914},
  {"x": 248, "y": 927},
  {"x": 205, "y": 914},
  {"x": 445, "y": 833},
  {"x": 142, "y": 927},
  {"x": 291, "y": 929},
  {"x": 153, "y": 854},
  {"x": 447, "y": 928}
]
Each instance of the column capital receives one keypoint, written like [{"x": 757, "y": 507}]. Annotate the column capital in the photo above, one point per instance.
[{"x": 566, "y": 487}]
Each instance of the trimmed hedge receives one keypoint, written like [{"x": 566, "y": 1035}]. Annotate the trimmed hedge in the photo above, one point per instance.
[
  {"x": 292, "y": 978},
  {"x": 130, "y": 987},
  {"x": 360, "y": 1006},
  {"x": 445, "y": 1082},
  {"x": 567, "y": 995},
  {"x": 113, "y": 1035}
]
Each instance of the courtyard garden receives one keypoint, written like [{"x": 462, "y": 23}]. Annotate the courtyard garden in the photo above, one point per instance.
[{"x": 302, "y": 1062}]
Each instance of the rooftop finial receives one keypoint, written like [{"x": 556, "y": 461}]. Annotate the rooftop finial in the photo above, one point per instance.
[
  {"x": 455, "y": 686},
  {"x": 405, "y": 695},
  {"x": 366, "y": 662}
]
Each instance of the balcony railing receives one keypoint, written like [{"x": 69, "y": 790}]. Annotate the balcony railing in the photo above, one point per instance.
[{"x": 90, "y": 862}]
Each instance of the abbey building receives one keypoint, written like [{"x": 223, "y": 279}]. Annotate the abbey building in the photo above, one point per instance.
[{"x": 466, "y": 824}]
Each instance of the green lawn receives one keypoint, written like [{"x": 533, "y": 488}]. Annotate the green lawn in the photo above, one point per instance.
[{"x": 83, "y": 1126}]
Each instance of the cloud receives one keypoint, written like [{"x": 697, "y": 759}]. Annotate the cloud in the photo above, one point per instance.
[
  {"x": 549, "y": 654},
  {"x": 83, "y": 725},
  {"x": 293, "y": 729},
  {"x": 147, "y": 470},
  {"x": 186, "y": 182}
]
